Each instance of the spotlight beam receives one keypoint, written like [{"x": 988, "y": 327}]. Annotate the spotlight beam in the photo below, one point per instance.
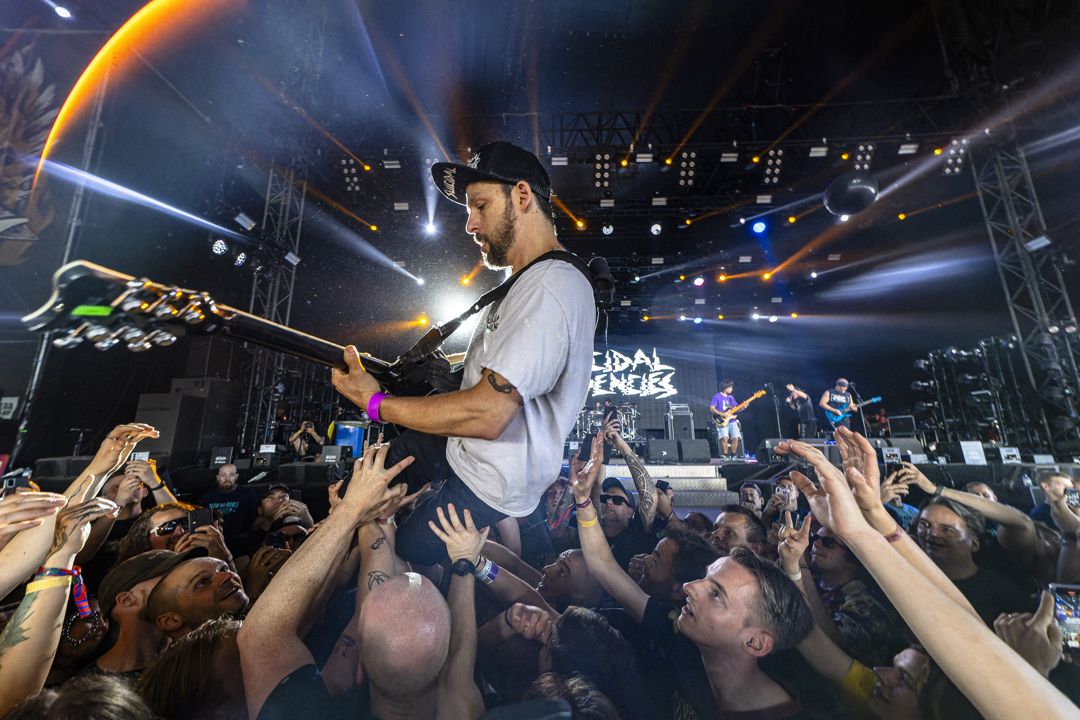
[{"x": 115, "y": 190}]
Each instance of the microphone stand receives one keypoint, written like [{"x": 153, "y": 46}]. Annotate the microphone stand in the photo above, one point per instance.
[
  {"x": 776, "y": 409},
  {"x": 858, "y": 401}
]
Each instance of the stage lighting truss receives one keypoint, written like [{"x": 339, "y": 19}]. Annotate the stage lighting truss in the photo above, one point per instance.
[
  {"x": 687, "y": 167},
  {"x": 864, "y": 155},
  {"x": 602, "y": 170},
  {"x": 954, "y": 156},
  {"x": 351, "y": 175},
  {"x": 774, "y": 161}
]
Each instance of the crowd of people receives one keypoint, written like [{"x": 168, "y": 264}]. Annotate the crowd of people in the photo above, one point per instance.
[{"x": 831, "y": 597}]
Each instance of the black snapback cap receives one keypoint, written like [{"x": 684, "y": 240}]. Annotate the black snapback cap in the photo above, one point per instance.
[{"x": 499, "y": 161}]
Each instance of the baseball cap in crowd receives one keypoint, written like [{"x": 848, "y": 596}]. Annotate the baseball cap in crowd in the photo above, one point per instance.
[
  {"x": 614, "y": 482},
  {"x": 500, "y": 161},
  {"x": 134, "y": 570},
  {"x": 278, "y": 486}
]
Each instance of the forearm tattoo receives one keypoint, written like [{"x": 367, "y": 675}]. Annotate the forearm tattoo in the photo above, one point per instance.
[
  {"x": 16, "y": 630},
  {"x": 643, "y": 482},
  {"x": 379, "y": 542},
  {"x": 506, "y": 388}
]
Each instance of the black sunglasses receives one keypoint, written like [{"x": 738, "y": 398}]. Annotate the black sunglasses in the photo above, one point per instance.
[
  {"x": 616, "y": 499},
  {"x": 829, "y": 542}
]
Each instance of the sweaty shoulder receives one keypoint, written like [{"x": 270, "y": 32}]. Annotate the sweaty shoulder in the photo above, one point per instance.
[{"x": 562, "y": 279}]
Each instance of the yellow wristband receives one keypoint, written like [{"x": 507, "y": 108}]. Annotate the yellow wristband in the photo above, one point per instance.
[
  {"x": 587, "y": 523},
  {"x": 49, "y": 582}
]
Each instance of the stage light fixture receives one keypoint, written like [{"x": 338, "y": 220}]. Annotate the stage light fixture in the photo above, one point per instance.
[
  {"x": 864, "y": 155},
  {"x": 938, "y": 151},
  {"x": 697, "y": 321},
  {"x": 602, "y": 170},
  {"x": 902, "y": 216},
  {"x": 721, "y": 278},
  {"x": 219, "y": 247},
  {"x": 624, "y": 162},
  {"x": 656, "y": 228},
  {"x": 419, "y": 281},
  {"x": 373, "y": 228},
  {"x": 422, "y": 320},
  {"x": 580, "y": 224},
  {"x": 687, "y": 161},
  {"x": 813, "y": 275},
  {"x": 689, "y": 221},
  {"x": 681, "y": 318},
  {"x": 755, "y": 316},
  {"x": 794, "y": 316},
  {"x": 756, "y": 159},
  {"x": 791, "y": 219},
  {"x": 766, "y": 276},
  {"x": 1037, "y": 243},
  {"x": 720, "y": 316},
  {"x": 465, "y": 280},
  {"x": 844, "y": 156},
  {"x": 244, "y": 221},
  {"x": 699, "y": 281},
  {"x": 430, "y": 228},
  {"x": 607, "y": 229},
  {"x": 845, "y": 218},
  {"x": 773, "y": 318},
  {"x": 61, "y": 11},
  {"x": 241, "y": 258},
  {"x": 758, "y": 227},
  {"x": 644, "y": 318},
  {"x": 773, "y": 164}
]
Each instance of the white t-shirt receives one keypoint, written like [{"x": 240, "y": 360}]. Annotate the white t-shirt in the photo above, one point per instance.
[{"x": 540, "y": 338}]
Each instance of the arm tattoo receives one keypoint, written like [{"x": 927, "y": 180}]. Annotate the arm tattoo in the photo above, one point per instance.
[
  {"x": 376, "y": 577},
  {"x": 646, "y": 488},
  {"x": 15, "y": 632},
  {"x": 499, "y": 387},
  {"x": 379, "y": 542}
]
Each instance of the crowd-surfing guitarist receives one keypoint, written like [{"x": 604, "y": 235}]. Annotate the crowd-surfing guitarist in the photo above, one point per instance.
[
  {"x": 838, "y": 403},
  {"x": 727, "y": 425},
  {"x": 498, "y": 441}
]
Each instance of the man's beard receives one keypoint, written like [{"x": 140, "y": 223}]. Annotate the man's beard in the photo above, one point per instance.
[{"x": 499, "y": 244}]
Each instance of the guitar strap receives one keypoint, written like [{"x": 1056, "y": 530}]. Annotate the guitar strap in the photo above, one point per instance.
[{"x": 596, "y": 272}]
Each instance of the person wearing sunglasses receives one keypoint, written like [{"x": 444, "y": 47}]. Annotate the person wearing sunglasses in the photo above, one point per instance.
[{"x": 623, "y": 523}]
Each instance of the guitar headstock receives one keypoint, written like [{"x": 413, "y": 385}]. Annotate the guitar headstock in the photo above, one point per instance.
[
  {"x": 93, "y": 304},
  {"x": 758, "y": 394}
]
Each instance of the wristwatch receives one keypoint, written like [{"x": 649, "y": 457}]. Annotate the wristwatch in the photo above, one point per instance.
[{"x": 463, "y": 567}]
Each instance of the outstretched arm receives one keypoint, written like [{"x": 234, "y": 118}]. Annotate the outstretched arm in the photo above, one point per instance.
[
  {"x": 269, "y": 642},
  {"x": 646, "y": 487},
  {"x": 598, "y": 557}
]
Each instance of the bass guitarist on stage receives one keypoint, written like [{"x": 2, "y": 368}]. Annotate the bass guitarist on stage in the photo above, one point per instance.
[
  {"x": 727, "y": 426},
  {"x": 838, "y": 401}
]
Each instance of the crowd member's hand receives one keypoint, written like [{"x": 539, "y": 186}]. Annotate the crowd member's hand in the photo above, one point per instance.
[
  {"x": 333, "y": 494},
  {"x": 530, "y": 622},
  {"x": 209, "y": 537},
  {"x": 463, "y": 541},
  {"x": 833, "y": 503},
  {"x": 22, "y": 511},
  {"x": 775, "y": 505},
  {"x": 665, "y": 503},
  {"x": 793, "y": 543},
  {"x": 1035, "y": 637},
  {"x": 144, "y": 471},
  {"x": 405, "y": 501},
  {"x": 355, "y": 383},
  {"x": 612, "y": 429},
  {"x": 911, "y": 475},
  {"x": 263, "y": 566},
  {"x": 857, "y": 452},
  {"x": 585, "y": 476},
  {"x": 369, "y": 495},
  {"x": 636, "y": 568},
  {"x": 893, "y": 487},
  {"x": 73, "y": 526},
  {"x": 128, "y": 490},
  {"x": 117, "y": 447},
  {"x": 297, "y": 508}
]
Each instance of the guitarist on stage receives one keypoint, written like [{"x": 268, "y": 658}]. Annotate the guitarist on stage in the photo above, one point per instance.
[
  {"x": 838, "y": 401},
  {"x": 730, "y": 434},
  {"x": 498, "y": 441}
]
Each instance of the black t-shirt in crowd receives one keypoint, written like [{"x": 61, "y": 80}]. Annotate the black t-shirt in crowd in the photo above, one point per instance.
[
  {"x": 239, "y": 508},
  {"x": 302, "y": 694},
  {"x": 634, "y": 540},
  {"x": 991, "y": 594}
]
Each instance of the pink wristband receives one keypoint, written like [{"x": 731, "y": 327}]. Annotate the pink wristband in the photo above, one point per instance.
[
  {"x": 373, "y": 404},
  {"x": 895, "y": 534}
]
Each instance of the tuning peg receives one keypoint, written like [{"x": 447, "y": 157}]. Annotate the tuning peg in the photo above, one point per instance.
[
  {"x": 161, "y": 338},
  {"x": 73, "y": 338},
  {"x": 96, "y": 332},
  {"x": 113, "y": 338},
  {"x": 165, "y": 310},
  {"x": 141, "y": 346},
  {"x": 132, "y": 304},
  {"x": 133, "y": 335}
]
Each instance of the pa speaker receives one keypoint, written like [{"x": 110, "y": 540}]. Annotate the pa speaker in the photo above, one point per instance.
[
  {"x": 220, "y": 456},
  {"x": 694, "y": 451},
  {"x": 907, "y": 445},
  {"x": 662, "y": 451}
]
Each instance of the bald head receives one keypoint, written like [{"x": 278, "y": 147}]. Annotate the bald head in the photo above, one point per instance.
[{"x": 403, "y": 658}]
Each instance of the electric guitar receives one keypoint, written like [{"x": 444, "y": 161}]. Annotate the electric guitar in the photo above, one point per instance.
[
  {"x": 835, "y": 418},
  {"x": 727, "y": 416},
  {"x": 104, "y": 308}
]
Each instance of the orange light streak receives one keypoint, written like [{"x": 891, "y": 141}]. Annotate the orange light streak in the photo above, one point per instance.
[
  {"x": 320, "y": 195},
  {"x": 936, "y": 206},
  {"x": 476, "y": 268},
  {"x": 562, "y": 206},
  {"x": 157, "y": 24}
]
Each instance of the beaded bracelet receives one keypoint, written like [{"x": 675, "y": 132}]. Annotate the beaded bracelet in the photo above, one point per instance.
[{"x": 78, "y": 588}]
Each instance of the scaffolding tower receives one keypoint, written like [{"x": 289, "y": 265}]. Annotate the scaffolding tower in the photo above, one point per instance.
[{"x": 1029, "y": 268}]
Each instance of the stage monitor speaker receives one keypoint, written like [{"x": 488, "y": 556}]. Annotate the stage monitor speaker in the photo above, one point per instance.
[
  {"x": 766, "y": 451},
  {"x": 178, "y": 419},
  {"x": 61, "y": 466},
  {"x": 967, "y": 452},
  {"x": 1043, "y": 459},
  {"x": 902, "y": 426},
  {"x": 907, "y": 445},
  {"x": 662, "y": 451},
  {"x": 694, "y": 451},
  {"x": 221, "y": 456},
  {"x": 266, "y": 460},
  {"x": 679, "y": 422},
  {"x": 1004, "y": 455}
]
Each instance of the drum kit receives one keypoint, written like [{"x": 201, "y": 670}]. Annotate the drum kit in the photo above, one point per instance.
[{"x": 591, "y": 420}]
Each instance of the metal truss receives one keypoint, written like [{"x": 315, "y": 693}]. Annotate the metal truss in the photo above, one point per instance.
[
  {"x": 277, "y": 383},
  {"x": 1038, "y": 301}
]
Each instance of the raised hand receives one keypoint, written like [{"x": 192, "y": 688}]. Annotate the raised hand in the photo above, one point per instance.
[
  {"x": 833, "y": 503},
  {"x": 118, "y": 445},
  {"x": 893, "y": 487},
  {"x": 1035, "y": 637},
  {"x": 585, "y": 476},
  {"x": 636, "y": 568},
  {"x": 297, "y": 508},
  {"x": 128, "y": 490},
  {"x": 857, "y": 452},
  {"x": 793, "y": 543},
  {"x": 612, "y": 429},
  {"x": 333, "y": 494},
  {"x": 369, "y": 495},
  {"x": 22, "y": 511},
  {"x": 463, "y": 541},
  {"x": 209, "y": 537},
  {"x": 665, "y": 502},
  {"x": 911, "y": 475},
  {"x": 531, "y": 622},
  {"x": 73, "y": 526}
]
